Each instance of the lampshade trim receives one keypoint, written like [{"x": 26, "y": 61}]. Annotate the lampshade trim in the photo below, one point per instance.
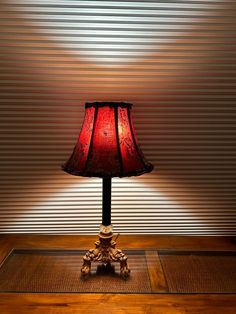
[
  {"x": 134, "y": 140},
  {"x": 112, "y": 104},
  {"x": 91, "y": 140},
  {"x": 148, "y": 168},
  {"x": 117, "y": 141}
]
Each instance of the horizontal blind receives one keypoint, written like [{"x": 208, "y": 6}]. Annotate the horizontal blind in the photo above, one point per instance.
[{"x": 174, "y": 60}]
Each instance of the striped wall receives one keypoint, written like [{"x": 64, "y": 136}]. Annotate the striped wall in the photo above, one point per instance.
[{"x": 174, "y": 60}]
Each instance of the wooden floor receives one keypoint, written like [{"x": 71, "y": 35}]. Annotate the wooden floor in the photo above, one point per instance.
[{"x": 44, "y": 303}]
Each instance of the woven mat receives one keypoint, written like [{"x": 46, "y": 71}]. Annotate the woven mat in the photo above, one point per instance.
[
  {"x": 54, "y": 271},
  {"x": 59, "y": 271},
  {"x": 187, "y": 272}
]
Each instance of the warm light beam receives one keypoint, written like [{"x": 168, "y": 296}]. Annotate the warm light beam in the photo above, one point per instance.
[{"x": 94, "y": 30}]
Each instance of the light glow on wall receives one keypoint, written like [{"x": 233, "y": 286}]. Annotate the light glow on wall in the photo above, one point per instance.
[
  {"x": 111, "y": 32},
  {"x": 78, "y": 209}
]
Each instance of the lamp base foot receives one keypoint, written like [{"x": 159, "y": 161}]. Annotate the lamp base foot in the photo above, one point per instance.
[{"x": 105, "y": 253}]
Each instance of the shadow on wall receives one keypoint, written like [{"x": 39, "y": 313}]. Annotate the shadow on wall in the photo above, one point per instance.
[{"x": 190, "y": 121}]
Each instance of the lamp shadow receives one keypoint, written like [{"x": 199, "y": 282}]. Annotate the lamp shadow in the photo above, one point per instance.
[{"x": 103, "y": 270}]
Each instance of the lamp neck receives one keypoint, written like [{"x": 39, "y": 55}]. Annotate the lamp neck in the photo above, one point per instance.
[{"x": 106, "y": 201}]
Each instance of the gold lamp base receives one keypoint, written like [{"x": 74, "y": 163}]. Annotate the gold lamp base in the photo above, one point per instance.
[{"x": 105, "y": 252}]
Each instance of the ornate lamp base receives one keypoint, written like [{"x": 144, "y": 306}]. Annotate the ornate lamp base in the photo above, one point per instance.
[{"x": 105, "y": 252}]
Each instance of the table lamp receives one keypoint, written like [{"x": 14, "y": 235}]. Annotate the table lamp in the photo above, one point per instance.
[{"x": 107, "y": 147}]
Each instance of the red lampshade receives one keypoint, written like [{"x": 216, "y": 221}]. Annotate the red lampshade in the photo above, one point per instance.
[{"x": 107, "y": 144}]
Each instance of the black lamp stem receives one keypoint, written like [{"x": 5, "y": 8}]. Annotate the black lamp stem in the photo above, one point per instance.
[{"x": 106, "y": 201}]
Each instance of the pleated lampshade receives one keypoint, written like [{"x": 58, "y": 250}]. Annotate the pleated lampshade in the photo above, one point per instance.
[{"x": 107, "y": 144}]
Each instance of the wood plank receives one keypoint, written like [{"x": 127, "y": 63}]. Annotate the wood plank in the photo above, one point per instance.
[
  {"x": 156, "y": 274},
  {"x": 124, "y": 242},
  {"x": 24, "y": 303}
]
